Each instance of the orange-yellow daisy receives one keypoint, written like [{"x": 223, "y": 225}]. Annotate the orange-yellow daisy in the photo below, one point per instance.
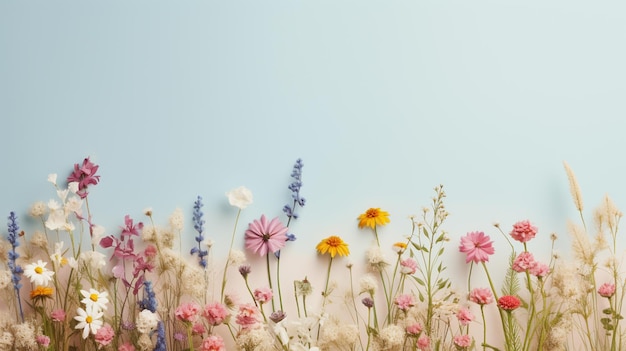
[
  {"x": 373, "y": 217},
  {"x": 333, "y": 245},
  {"x": 41, "y": 292},
  {"x": 399, "y": 247}
]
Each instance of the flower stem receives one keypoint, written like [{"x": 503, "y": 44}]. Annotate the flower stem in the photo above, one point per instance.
[
  {"x": 232, "y": 241},
  {"x": 269, "y": 278}
]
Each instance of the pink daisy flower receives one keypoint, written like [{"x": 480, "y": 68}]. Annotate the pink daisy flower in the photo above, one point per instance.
[
  {"x": 477, "y": 247},
  {"x": 263, "y": 236}
]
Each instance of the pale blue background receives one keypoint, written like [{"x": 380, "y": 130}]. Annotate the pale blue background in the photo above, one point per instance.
[{"x": 383, "y": 100}]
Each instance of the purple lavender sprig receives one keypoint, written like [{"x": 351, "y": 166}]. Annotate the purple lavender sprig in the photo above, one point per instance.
[
  {"x": 161, "y": 343},
  {"x": 16, "y": 270},
  {"x": 198, "y": 224},
  {"x": 295, "y": 186},
  {"x": 149, "y": 302}
]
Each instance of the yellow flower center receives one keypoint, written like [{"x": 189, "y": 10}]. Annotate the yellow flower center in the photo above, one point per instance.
[
  {"x": 94, "y": 297},
  {"x": 89, "y": 319},
  {"x": 372, "y": 213},
  {"x": 38, "y": 270}
]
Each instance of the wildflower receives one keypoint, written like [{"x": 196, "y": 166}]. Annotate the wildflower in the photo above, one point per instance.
[
  {"x": 373, "y": 217},
  {"x": 177, "y": 219},
  {"x": 333, "y": 245},
  {"x": 423, "y": 343},
  {"x": 404, "y": 301},
  {"x": 277, "y": 316},
  {"x": 263, "y": 295},
  {"x": 509, "y": 302},
  {"x": 523, "y": 231},
  {"x": 392, "y": 336},
  {"x": 146, "y": 321},
  {"x": 462, "y": 341},
  {"x": 149, "y": 301},
  {"x": 41, "y": 292},
  {"x": 198, "y": 225},
  {"x": 215, "y": 313},
  {"x": 38, "y": 209},
  {"x": 367, "y": 302},
  {"x": 606, "y": 290},
  {"x": 85, "y": 175},
  {"x": 376, "y": 259},
  {"x": 161, "y": 341},
  {"x": 539, "y": 269},
  {"x": 96, "y": 299},
  {"x": 198, "y": 328},
  {"x": 481, "y": 296},
  {"x": 464, "y": 316},
  {"x": 104, "y": 335},
  {"x": 236, "y": 257},
  {"x": 477, "y": 247},
  {"x": 368, "y": 284},
  {"x": 38, "y": 273},
  {"x": 43, "y": 340},
  {"x": 303, "y": 287},
  {"x": 295, "y": 186},
  {"x": 57, "y": 315},
  {"x": 213, "y": 343},
  {"x": 24, "y": 334},
  {"x": 523, "y": 262},
  {"x": 244, "y": 270},
  {"x": 247, "y": 316},
  {"x": 263, "y": 236},
  {"x": 399, "y": 247},
  {"x": 414, "y": 329},
  {"x": 408, "y": 266},
  {"x": 187, "y": 312},
  {"x": 240, "y": 197},
  {"x": 127, "y": 346},
  {"x": 89, "y": 320}
]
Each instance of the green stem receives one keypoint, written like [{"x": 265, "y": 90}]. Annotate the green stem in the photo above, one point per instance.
[
  {"x": 269, "y": 278},
  {"x": 280, "y": 295},
  {"x": 482, "y": 312},
  {"x": 232, "y": 241}
]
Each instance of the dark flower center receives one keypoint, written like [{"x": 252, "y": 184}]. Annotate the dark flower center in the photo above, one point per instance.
[{"x": 266, "y": 237}]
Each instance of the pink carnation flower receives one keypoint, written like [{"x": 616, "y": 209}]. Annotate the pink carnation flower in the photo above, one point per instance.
[
  {"x": 509, "y": 302},
  {"x": 198, "y": 328},
  {"x": 481, "y": 296},
  {"x": 104, "y": 335},
  {"x": 464, "y": 316},
  {"x": 263, "y": 295},
  {"x": 523, "y": 231},
  {"x": 408, "y": 266},
  {"x": 463, "y": 341},
  {"x": 215, "y": 313},
  {"x": 58, "y": 315},
  {"x": 263, "y": 236},
  {"x": 477, "y": 247},
  {"x": 247, "y": 316},
  {"x": 606, "y": 290},
  {"x": 43, "y": 340},
  {"x": 187, "y": 312},
  {"x": 127, "y": 346},
  {"x": 423, "y": 343},
  {"x": 539, "y": 270},
  {"x": 404, "y": 301},
  {"x": 213, "y": 343},
  {"x": 414, "y": 329},
  {"x": 524, "y": 261}
]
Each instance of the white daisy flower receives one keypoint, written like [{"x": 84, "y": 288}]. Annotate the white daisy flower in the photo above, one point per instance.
[
  {"x": 38, "y": 273},
  {"x": 95, "y": 299},
  {"x": 89, "y": 320}
]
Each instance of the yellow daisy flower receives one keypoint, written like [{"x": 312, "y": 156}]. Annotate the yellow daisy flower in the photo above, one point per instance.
[
  {"x": 41, "y": 292},
  {"x": 373, "y": 217},
  {"x": 333, "y": 245},
  {"x": 399, "y": 247}
]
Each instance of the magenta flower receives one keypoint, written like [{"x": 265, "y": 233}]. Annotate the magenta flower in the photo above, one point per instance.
[
  {"x": 84, "y": 175},
  {"x": 481, "y": 296},
  {"x": 523, "y": 231},
  {"x": 606, "y": 290},
  {"x": 263, "y": 236},
  {"x": 477, "y": 247}
]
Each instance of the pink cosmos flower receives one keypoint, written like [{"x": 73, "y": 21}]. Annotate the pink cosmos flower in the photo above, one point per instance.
[
  {"x": 477, "y": 247},
  {"x": 43, "y": 340},
  {"x": 606, "y": 290},
  {"x": 509, "y": 302},
  {"x": 127, "y": 346},
  {"x": 464, "y": 316},
  {"x": 404, "y": 301},
  {"x": 247, "y": 316},
  {"x": 523, "y": 262},
  {"x": 523, "y": 231},
  {"x": 263, "y": 236},
  {"x": 213, "y": 343},
  {"x": 463, "y": 341},
  {"x": 263, "y": 295},
  {"x": 215, "y": 313},
  {"x": 58, "y": 315},
  {"x": 408, "y": 266},
  {"x": 84, "y": 175},
  {"x": 423, "y": 343},
  {"x": 187, "y": 312},
  {"x": 414, "y": 329},
  {"x": 481, "y": 296},
  {"x": 104, "y": 335},
  {"x": 539, "y": 270}
]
